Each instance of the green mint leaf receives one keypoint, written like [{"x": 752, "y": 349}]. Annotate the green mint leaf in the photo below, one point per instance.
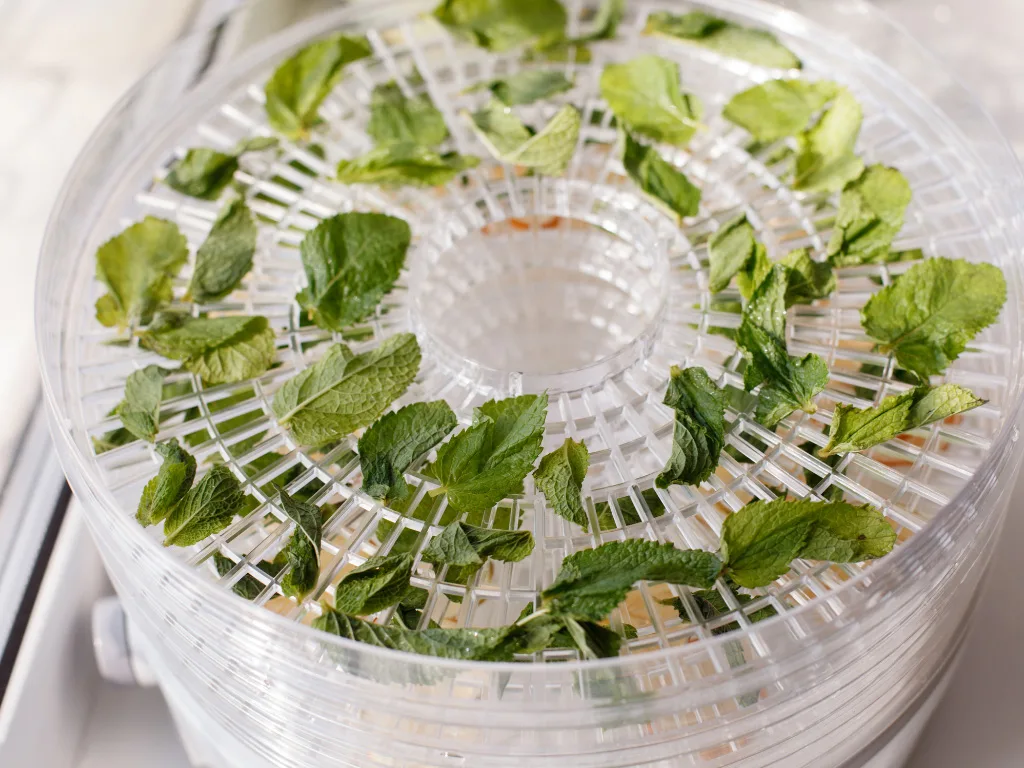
[
  {"x": 808, "y": 280},
  {"x": 605, "y": 23},
  {"x": 699, "y": 434},
  {"x": 298, "y": 87},
  {"x": 825, "y": 160},
  {"x": 247, "y": 587},
  {"x": 755, "y": 271},
  {"x": 405, "y": 164},
  {"x": 930, "y": 313},
  {"x": 721, "y": 36},
  {"x": 592, "y": 582},
  {"x": 307, "y": 519},
  {"x": 548, "y": 151},
  {"x": 483, "y": 464},
  {"x": 760, "y": 541},
  {"x": 466, "y": 548},
  {"x": 140, "y": 409},
  {"x": 560, "y": 478},
  {"x": 410, "y": 609},
  {"x": 205, "y": 173},
  {"x": 225, "y": 257},
  {"x": 499, "y": 25},
  {"x": 857, "y": 429},
  {"x": 164, "y": 492},
  {"x": 659, "y": 179},
  {"x": 730, "y": 250},
  {"x": 646, "y": 97},
  {"x": 870, "y": 216},
  {"x": 527, "y": 86},
  {"x": 303, "y": 561},
  {"x": 779, "y": 108},
  {"x": 206, "y": 509},
  {"x": 379, "y": 583},
  {"x": 137, "y": 267},
  {"x": 389, "y": 447},
  {"x": 396, "y": 118},
  {"x": 220, "y": 350},
  {"x": 343, "y": 392},
  {"x": 351, "y": 261}
]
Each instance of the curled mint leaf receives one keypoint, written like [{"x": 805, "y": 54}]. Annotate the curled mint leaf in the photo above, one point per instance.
[
  {"x": 560, "y": 478},
  {"x": 343, "y": 392},
  {"x": 405, "y": 164},
  {"x": 527, "y": 86},
  {"x": 825, "y": 159},
  {"x": 756, "y": 46},
  {"x": 779, "y": 108},
  {"x": 139, "y": 411},
  {"x": 646, "y": 97},
  {"x": 205, "y": 173},
  {"x": 225, "y": 257},
  {"x": 500, "y": 25},
  {"x": 206, "y": 509},
  {"x": 137, "y": 267},
  {"x": 929, "y": 314},
  {"x": 548, "y": 151},
  {"x": 298, "y": 87},
  {"x": 659, "y": 179},
  {"x": 807, "y": 280},
  {"x": 699, "y": 433},
  {"x": 397, "y": 119},
  {"x": 164, "y": 493},
  {"x": 379, "y": 583},
  {"x": 483, "y": 464},
  {"x": 467, "y": 547},
  {"x": 389, "y": 447},
  {"x": 730, "y": 250},
  {"x": 351, "y": 261},
  {"x": 760, "y": 541},
  {"x": 219, "y": 350},
  {"x": 870, "y": 216},
  {"x": 857, "y": 429}
]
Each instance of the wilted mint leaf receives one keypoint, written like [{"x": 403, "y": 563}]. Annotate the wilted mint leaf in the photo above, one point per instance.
[
  {"x": 807, "y": 280},
  {"x": 205, "y": 172},
  {"x": 760, "y": 541},
  {"x": 857, "y": 429},
  {"x": 527, "y": 86},
  {"x": 560, "y": 478},
  {"x": 754, "y": 45},
  {"x": 140, "y": 409},
  {"x": 225, "y": 257},
  {"x": 825, "y": 160},
  {"x": 395, "y": 441},
  {"x": 303, "y": 551},
  {"x": 343, "y": 392},
  {"x": 206, "y": 509},
  {"x": 499, "y": 25},
  {"x": 298, "y": 87},
  {"x": 219, "y": 350},
  {"x": 482, "y": 465},
  {"x": 247, "y": 587},
  {"x": 399, "y": 164},
  {"x": 377, "y": 584},
  {"x": 730, "y": 250},
  {"x": 754, "y": 272},
  {"x": 592, "y": 582},
  {"x": 930, "y": 313},
  {"x": 660, "y": 179},
  {"x": 547, "y": 151},
  {"x": 646, "y": 97},
  {"x": 137, "y": 267},
  {"x": 351, "y": 260},
  {"x": 779, "y": 108},
  {"x": 164, "y": 492},
  {"x": 396, "y": 118},
  {"x": 699, "y": 433},
  {"x": 467, "y": 547},
  {"x": 870, "y": 216}
]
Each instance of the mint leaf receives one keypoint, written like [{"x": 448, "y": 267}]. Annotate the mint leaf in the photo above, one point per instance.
[
  {"x": 857, "y": 429},
  {"x": 730, "y": 250},
  {"x": 754, "y": 272},
  {"x": 164, "y": 492},
  {"x": 396, "y": 118},
  {"x": 219, "y": 350},
  {"x": 760, "y": 541},
  {"x": 225, "y": 257},
  {"x": 500, "y": 25},
  {"x": 485, "y": 463},
  {"x": 137, "y": 267},
  {"x": 605, "y": 23},
  {"x": 646, "y": 97},
  {"x": 304, "y": 567},
  {"x": 659, "y": 179},
  {"x": 592, "y": 582},
  {"x": 343, "y": 392},
  {"x": 870, "y": 216},
  {"x": 298, "y": 87},
  {"x": 206, "y": 509},
  {"x": 140, "y": 409},
  {"x": 548, "y": 151},
  {"x": 560, "y": 478},
  {"x": 307, "y": 519},
  {"x": 807, "y": 280},
  {"x": 379, "y": 583},
  {"x": 466, "y": 548},
  {"x": 699, "y": 433},
  {"x": 756, "y": 46},
  {"x": 825, "y": 159},
  {"x": 205, "y": 173},
  {"x": 527, "y": 86},
  {"x": 390, "y": 446},
  {"x": 930, "y": 313},
  {"x": 404, "y": 164},
  {"x": 351, "y": 260},
  {"x": 779, "y": 108},
  {"x": 247, "y": 587}
]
